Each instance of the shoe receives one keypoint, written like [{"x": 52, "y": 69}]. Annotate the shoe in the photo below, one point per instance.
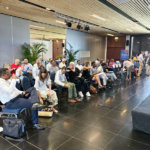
[
  {"x": 77, "y": 99},
  {"x": 38, "y": 106},
  {"x": 38, "y": 127},
  {"x": 81, "y": 94},
  {"x": 55, "y": 111},
  {"x": 88, "y": 94},
  {"x": 71, "y": 101}
]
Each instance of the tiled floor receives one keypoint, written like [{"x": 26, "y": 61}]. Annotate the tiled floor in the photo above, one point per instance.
[{"x": 102, "y": 122}]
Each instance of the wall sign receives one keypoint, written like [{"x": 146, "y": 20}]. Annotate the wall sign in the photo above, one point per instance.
[{"x": 124, "y": 55}]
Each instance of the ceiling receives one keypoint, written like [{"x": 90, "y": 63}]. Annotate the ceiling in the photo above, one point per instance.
[
  {"x": 46, "y": 32},
  {"x": 126, "y": 17}
]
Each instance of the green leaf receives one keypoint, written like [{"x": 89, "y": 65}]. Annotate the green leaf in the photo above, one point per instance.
[{"x": 33, "y": 52}]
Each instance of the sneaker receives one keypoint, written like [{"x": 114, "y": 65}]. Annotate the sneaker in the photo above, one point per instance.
[
  {"x": 38, "y": 127},
  {"x": 88, "y": 94},
  {"x": 38, "y": 106},
  {"x": 81, "y": 94}
]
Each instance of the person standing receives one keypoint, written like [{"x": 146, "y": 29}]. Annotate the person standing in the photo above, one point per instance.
[
  {"x": 141, "y": 60},
  {"x": 129, "y": 66}
]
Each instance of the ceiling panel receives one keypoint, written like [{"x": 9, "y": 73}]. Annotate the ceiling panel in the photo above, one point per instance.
[{"x": 84, "y": 9}]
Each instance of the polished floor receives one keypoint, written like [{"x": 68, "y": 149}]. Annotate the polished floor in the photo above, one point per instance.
[{"x": 102, "y": 122}]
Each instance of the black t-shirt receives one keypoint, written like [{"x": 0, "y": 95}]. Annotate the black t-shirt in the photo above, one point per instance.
[{"x": 73, "y": 75}]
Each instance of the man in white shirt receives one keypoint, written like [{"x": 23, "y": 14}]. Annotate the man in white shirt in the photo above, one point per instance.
[
  {"x": 63, "y": 63},
  {"x": 79, "y": 66},
  {"x": 13, "y": 98},
  {"x": 60, "y": 79},
  {"x": 53, "y": 69},
  {"x": 48, "y": 66},
  {"x": 141, "y": 60},
  {"x": 129, "y": 66},
  {"x": 28, "y": 66}
]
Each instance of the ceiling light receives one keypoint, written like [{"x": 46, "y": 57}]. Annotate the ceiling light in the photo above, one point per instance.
[
  {"x": 116, "y": 38},
  {"x": 87, "y": 28},
  {"x": 7, "y": 8},
  {"x": 98, "y": 17},
  {"x": 110, "y": 34},
  {"x": 129, "y": 30},
  {"x": 37, "y": 27},
  {"x": 61, "y": 22},
  {"x": 79, "y": 27},
  {"x": 69, "y": 24},
  {"x": 48, "y": 9}
]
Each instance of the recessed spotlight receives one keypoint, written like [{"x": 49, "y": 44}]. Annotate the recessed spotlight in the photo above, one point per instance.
[
  {"x": 61, "y": 22},
  {"x": 7, "y": 8},
  {"x": 79, "y": 27},
  {"x": 110, "y": 34},
  {"x": 138, "y": 42},
  {"x": 69, "y": 24},
  {"x": 86, "y": 28},
  {"x": 98, "y": 17}
]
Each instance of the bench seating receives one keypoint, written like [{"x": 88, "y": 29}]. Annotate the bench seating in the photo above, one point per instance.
[{"x": 141, "y": 116}]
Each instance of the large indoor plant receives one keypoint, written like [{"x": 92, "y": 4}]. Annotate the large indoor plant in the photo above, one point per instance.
[
  {"x": 70, "y": 53},
  {"x": 33, "y": 52}
]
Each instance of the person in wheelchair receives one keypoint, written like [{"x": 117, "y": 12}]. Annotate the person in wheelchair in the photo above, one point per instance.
[
  {"x": 43, "y": 87},
  {"x": 13, "y": 98}
]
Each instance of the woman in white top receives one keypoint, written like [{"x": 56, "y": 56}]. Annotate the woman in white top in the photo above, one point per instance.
[{"x": 43, "y": 87}]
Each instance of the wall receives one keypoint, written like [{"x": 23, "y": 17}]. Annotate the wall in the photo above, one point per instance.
[
  {"x": 86, "y": 42},
  {"x": 14, "y": 32},
  {"x": 48, "y": 46},
  {"x": 114, "y": 47}
]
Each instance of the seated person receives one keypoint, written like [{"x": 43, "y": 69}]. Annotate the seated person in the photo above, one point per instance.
[
  {"x": 112, "y": 65},
  {"x": 63, "y": 63},
  {"x": 44, "y": 92},
  {"x": 97, "y": 62},
  {"x": 13, "y": 98},
  {"x": 27, "y": 67},
  {"x": 79, "y": 66},
  {"x": 102, "y": 75},
  {"x": 118, "y": 65},
  {"x": 110, "y": 74},
  {"x": 75, "y": 77},
  {"x": 49, "y": 64},
  {"x": 36, "y": 69},
  {"x": 60, "y": 79},
  {"x": 25, "y": 81},
  {"x": 87, "y": 75},
  {"x": 15, "y": 66},
  {"x": 7, "y": 65},
  {"x": 99, "y": 72},
  {"x": 53, "y": 69}
]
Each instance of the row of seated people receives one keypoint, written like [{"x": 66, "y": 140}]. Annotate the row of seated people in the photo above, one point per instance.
[{"x": 39, "y": 88}]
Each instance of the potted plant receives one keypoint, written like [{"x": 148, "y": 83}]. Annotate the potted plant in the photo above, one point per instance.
[
  {"x": 33, "y": 52},
  {"x": 71, "y": 55}
]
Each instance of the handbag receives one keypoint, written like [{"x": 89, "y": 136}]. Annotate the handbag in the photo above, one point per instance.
[
  {"x": 93, "y": 90},
  {"x": 13, "y": 128}
]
